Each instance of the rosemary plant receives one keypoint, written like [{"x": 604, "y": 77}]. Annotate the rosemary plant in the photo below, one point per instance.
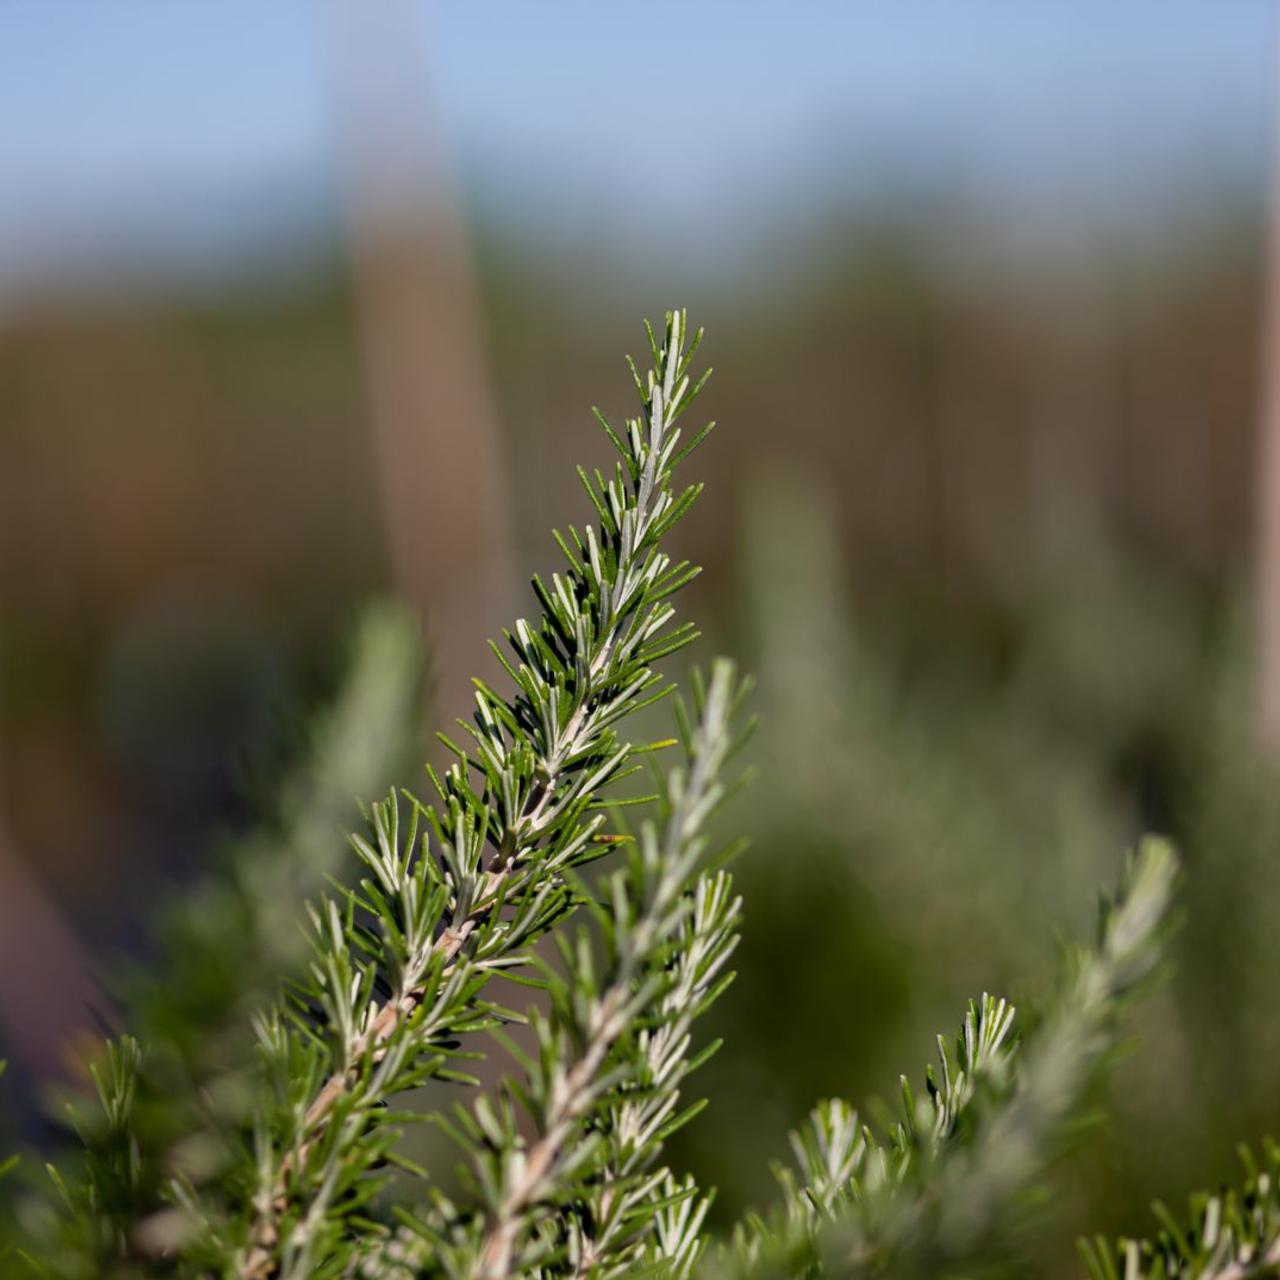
[
  {"x": 295, "y": 1168},
  {"x": 459, "y": 890}
]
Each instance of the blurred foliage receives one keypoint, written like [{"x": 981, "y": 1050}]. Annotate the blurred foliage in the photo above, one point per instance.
[
  {"x": 220, "y": 952},
  {"x": 957, "y": 809}
]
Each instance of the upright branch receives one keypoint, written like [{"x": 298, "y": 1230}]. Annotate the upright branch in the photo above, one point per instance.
[
  {"x": 400, "y": 962},
  {"x": 594, "y": 1089},
  {"x": 633, "y": 1210},
  {"x": 1074, "y": 1041},
  {"x": 929, "y": 1194}
]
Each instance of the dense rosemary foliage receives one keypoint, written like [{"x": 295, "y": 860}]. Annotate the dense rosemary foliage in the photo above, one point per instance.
[{"x": 199, "y": 1159}]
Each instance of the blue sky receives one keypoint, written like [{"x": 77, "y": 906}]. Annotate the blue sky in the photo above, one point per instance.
[{"x": 166, "y": 130}]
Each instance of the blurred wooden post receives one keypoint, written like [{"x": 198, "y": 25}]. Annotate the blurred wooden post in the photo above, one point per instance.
[
  {"x": 438, "y": 454},
  {"x": 1268, "y": 490}
]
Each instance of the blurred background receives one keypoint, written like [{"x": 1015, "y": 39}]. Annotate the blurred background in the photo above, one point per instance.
[{"x": 302, "y": 305}]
